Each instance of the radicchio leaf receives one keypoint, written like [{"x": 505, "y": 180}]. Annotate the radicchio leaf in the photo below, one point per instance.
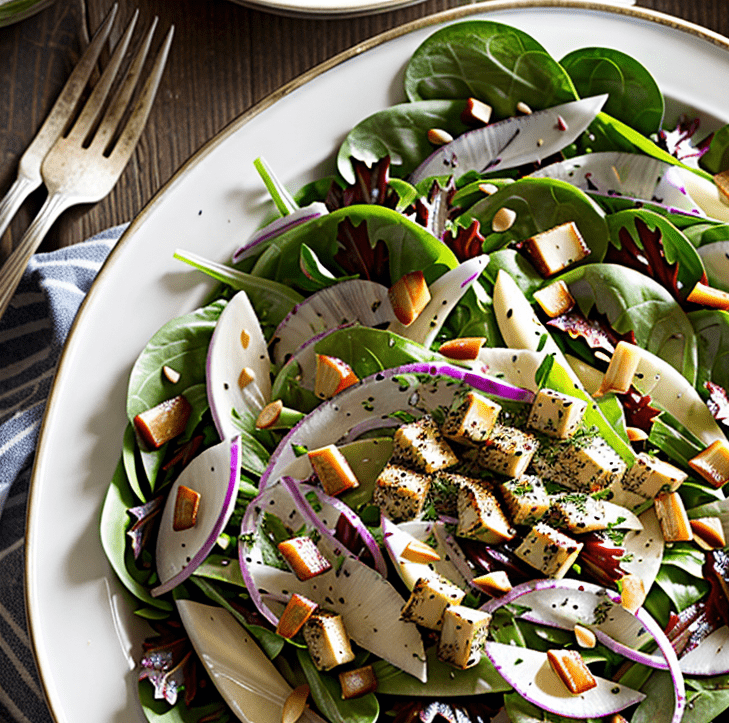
[
  {"x": 433, "y": 211},
  {"x": 601, "y": 556},
  {"x": 680, "y": 141},
  {"x": 356, "y": 255},
  {"x": 371, "y": 186},
  {"x": 718, "y": 402},
  {"x": 578, "y": 327},
  {"x": 466, "y": 243},
  {"x": 141, "y": 531}
]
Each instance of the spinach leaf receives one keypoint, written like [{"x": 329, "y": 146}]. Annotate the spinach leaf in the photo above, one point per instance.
[
  {"x": 706, "y": 698},
  {"x": 113, "y": 526},
  {"x": 517, "y": 266},
  {"x": 712, "y": 335},
  {"x": 157, "y": 710},
  {"x": 495, "y": 63},
  {"x": 634, "y": 302},
  {"x": 634, "y": 96},
  {"x": 400, "y": 132},
  {"x": 409, "y": 246},
  {"x": 716, "y": 159},
  {"x": 182, "y": 344},
  {"x": 130, "y": 451},
  {"x": 706, "y": 232},
  {"x": 540, "y": 204}
]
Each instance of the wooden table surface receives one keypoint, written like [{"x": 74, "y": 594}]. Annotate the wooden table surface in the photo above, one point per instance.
[{"x": 225, "y": 57}]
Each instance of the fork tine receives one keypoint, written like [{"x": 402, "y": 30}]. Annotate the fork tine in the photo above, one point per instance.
[
  {"x": 135, "y": 124},
  {"x": 94, "y": 104},
  {"x": 118, "y": 106}
]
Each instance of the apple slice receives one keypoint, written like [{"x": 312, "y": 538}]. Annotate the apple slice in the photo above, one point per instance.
[
  {"x": 238, "y": 366},
  {"x": 214, "y": 475}
]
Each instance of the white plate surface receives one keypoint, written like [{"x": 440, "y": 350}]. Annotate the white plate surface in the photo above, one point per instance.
[
  {"x": 326, "y": 8},
  {"x": 84, "y": 634}
]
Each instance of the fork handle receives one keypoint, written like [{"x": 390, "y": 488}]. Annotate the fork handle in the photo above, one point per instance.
[
  {"x": 13, "y": 199},
  {"x": 13, "y": 268}
]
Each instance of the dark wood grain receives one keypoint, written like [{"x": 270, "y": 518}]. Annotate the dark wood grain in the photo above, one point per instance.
[{"x": 225, "y": 58}]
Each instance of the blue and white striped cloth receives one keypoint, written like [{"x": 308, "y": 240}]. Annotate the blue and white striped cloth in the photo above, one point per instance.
[{"x": 32, "y": 333}]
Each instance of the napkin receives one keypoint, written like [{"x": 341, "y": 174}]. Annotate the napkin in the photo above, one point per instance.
[{"x": 32, "y": 334}]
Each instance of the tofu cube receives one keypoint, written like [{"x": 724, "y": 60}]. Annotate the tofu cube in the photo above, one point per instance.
[
  {"x": 556, "y": 249},
  {"x": 526, "y": 499},
  {"x": 400, "y": 493},
  {"x": 548, "y": 550},
  {"x": 327, "y": 640},
  {"x": 508, "y": 451},
  {"x": 429, "y": 599},
  {"x": 713, "y": 463},
  {"x": 578, "y": 512},
  {"x": 650, "y": 476},
  {"x": 555, "y": 299},
  {"x": 463, "y": 636},
  {"x": 471, "y": 419},
  {"x": 572, "y": 671},
  {"x": 421, "y": 445},
  {"x": 555, "y": 414},
  {"x": 591, "y": 466},
  {"x": 333, "y": 470},
  {"x": 480, "y": 516},
  {"x": 304, "y": 557}
]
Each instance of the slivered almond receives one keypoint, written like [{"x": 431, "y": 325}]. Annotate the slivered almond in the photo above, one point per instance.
[
  {"x": 585, "y": 637},
  {"x": 709, "y": 296},
  {"x": 333, "y": 470},
  {"x": 632, "y": 592},
  {"x": 304, "y": 557},
  {"x": 619, "y": 375},
  {"x": 439, "y": 137},
  {"x": 488, "y": 188},
  {"x": 522, "y": 107},
  {"x": 417, "y": 551},
  {"x": 295, "y": 705},
  {"x": 476, "y": 113},
  {"x": 572, "y": 671},
  {"x": 298, "y": 610},
  {"x": 358, "y": 682},
  {"x": 494, "y": 583},
  {"x": 636, "y": 434},
  {"x": 187, "y": 504},
  {"x": 708, "y": 533},
  {"x": 245, "y": 339},
  {"x": 246, "y": 377},
  {"x": 465, "y": 348},
  {"x": 170, "y": 374},
  {"x": 672, "y": 517},
  {"x": 555, "y": 299},
  {"x": 713, "y": 463},
  {"x": 269, "y": 415},
  {"x": 332, "y": 376},
  {"x": 409, "y": 295},
  {"x": 503, "y": 220},
  {"x": 163, "y": 422}
]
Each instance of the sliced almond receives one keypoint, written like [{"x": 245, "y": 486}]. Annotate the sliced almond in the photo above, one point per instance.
[
  {"x": 523, "y": 108},
  {"x": 417, "y": 551},
  {"x": 571, "y": 669},
  {"x": 488, "y": 188},
  {"x": 632, "y": 592},
  {"x": 332, "y": 376},
  {"x": 187, "y": 504},
  {"x": 298, "y": 610},
  {"x": 295, "y": 705},
  {"x": 494, "y": 583},
  {"x": 358, "y": 682},
  {"x": 503, "y": 220},
  {"x": 170, "y": 374},
  {"x": 619, "y": 375},
  {"x": 304, "y": 557},
  {"x": 333, "y": 470},
  {"x": 585, "y": 637},
  {"x": 439, "y": 137},
  {"x": 672, "y": 517},
  {"x": 713, "y": 463},
  {"x": 709, "y": 533},
  {"x": 476, "y": 113},
  {"x": 465, "y": 348},
  {"x": 636, "y": 434},
  {"x": 409, "y": 295},
  {"x": 709, "y": 296},
  {"x": 245, "y": 338},
  {"x": 246, "y": 377},
  {"x": 269, "y": 415},
  {"x": 555, "y": 299}
]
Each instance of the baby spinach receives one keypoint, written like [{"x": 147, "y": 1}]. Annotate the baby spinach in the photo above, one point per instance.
[
  {"x": 634, "y": 302},
  {"x": 716, "y": 159},
  {"x": 495, "y": 63},
  {"x": 634, "y": 96},
  {"x": 712, "y": 335},
  {"x": 540, "y": 204},
  {"x": 400, "y": 132}
]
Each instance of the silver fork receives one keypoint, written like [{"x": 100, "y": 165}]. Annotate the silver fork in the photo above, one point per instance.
[{"x": 78, "y": 165}]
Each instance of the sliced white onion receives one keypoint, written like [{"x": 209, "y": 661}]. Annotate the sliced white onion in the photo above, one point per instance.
[
  {"x": 715, "y": 257},
  {"x": 214, "y": 474}
]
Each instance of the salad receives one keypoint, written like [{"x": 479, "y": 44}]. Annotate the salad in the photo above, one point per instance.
[{"x": 449, "y": 438}]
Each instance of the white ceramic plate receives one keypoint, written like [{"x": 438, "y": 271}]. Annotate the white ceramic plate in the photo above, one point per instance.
[
  {"x": 326, "y": 8},
  {"x": 85, "y": 636}
]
